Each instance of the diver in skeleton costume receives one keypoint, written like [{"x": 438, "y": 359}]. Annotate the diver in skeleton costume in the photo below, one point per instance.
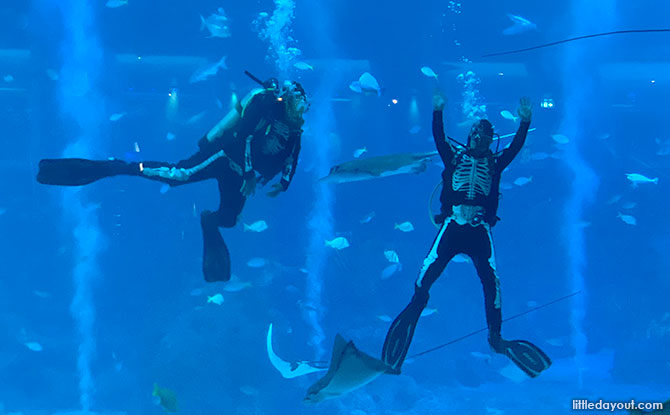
[
  {"x": 259, "y": 138},
  {"x": 469, "y": 203}
]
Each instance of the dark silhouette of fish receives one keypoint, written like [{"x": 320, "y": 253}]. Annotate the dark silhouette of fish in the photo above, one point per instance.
[{"x": 381, "y": 166}]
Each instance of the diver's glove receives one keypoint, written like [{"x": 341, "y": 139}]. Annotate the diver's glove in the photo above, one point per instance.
[{"x": 525, "y": 110}]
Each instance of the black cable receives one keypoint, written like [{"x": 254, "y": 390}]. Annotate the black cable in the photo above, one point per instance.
[
  {"x": 617, "y": 32},
  {"x": 486, "y": 328}
]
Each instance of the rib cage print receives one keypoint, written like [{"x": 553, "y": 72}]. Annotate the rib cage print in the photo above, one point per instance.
[{"x": 472, "y": 176}]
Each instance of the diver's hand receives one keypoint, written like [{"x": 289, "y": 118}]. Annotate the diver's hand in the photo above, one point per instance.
[
  {"x": 438, "y": 101},
  {"x": 248, "y": 186},
  {"x": 525, "y": 110},
  {"x": 276, "y": 189}
]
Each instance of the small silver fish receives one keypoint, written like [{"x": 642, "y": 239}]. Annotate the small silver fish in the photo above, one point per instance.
[
  {"x": 303, "y": 66},
  {"x": 368, "y": 217},
  {"x": 216, "y": 299},
  {"x": 366, "y": 84},
  {"x": 8, "y": 78},
  {"x": 360, "y": 152},
  {"x": 385, "y": 318},
  {"x": 338, "y": 243},
  {"x": 428, "y": 72},
  {"x": 637, "y": 179},
  {"x": 258, "y": 226},
  {"x": 508, "y": 115},
  {"x": 256, "y": 262},
  {"x": 34, "y": 346},
  {"x": 415, "y": 129},
  {"x": 404, "y": 227},
  {"x": 519, "y": 25},
  {"x": 428, "y": 312},
  {"x": 560, "y": 138},
  {"x": 627, "y": 219},
  {"x": 112, "y": 4},
  {"x": 391, "y": 256},
  {"x": 521, "y": 181},
  {"x": 234, "y": 285},
  {"x": 116, "y": 116}
]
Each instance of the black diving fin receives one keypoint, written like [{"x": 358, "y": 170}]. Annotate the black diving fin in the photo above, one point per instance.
[
  {"x": 216, "y": 257},
  {"x": 78, "y": 172},
  {"x": 527, "y": 357}
]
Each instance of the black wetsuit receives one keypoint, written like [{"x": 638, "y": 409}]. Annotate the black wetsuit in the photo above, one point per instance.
[
  {"x": 263, "y": 142},
  {"x": 239, "y": 154},
  {"x": 469, "y": 204}
]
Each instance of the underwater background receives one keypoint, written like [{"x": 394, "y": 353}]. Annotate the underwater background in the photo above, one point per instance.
[{"x": 101, "y": 290}]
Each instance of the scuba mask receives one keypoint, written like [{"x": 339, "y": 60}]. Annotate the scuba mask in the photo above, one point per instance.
[
  {"x": 294, "y": 93},
  {"x": 481, "y": 135}
]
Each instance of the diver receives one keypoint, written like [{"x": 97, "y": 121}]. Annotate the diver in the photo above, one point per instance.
[
  {"x": 256, "y": 140},
  {"x": 469, "y": 200}
]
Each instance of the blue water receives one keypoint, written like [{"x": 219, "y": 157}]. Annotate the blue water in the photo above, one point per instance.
[{"x": 103, "y": 277}]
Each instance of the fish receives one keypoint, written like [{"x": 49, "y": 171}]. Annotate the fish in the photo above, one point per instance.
[
  {"x": 112, "y": 4},
  {"x": 256, "y": 262},
  {"x": 540, "y": 155},
  {"x": 196, "y": 118},
  {"x": 196, "y": 292},
  {"x": 506, "y": 186},
  {"x": 349, "y": 370},
  {"x": 613, "y": 199},
  {"x": 289, "y": 369},
  {"x": 390, "y": 270},
  {"x": 164, "y": 188},
  {"x": 303, "y": 66},
  {"x": 216, "y": 299},
  {"x": 415, "y": 129},
  {"x": 258, "y": 226},
  {"x": 428, "y": 312},
  {"x": 481, "y": 356},
  {"x": 216, "y": 24},
  {"x": 461, "y": 259},
  {"x": 380, "y": 166},
  {"x": 404, "y": 227},
  {"x": 627, "y": 219},
  {"x": 519, "y": 25},
  {"x": 368, "y": 217},
  {"x": 116, "y": 116},
  {"x": 166, "y": 398},
  {"x": 208, "y": 71},
  {"x": 391, "y": 256},
  {"x": 508, "y": 115},
  {"x": 628, "y": 205},
  {"x": 366, "y": 84},
  {"x": 360, "y": 152},
  {"x": 637, "y": 179},
  {"x": 338, "y": 243},
  {"x": 8, "y": 78},
  {"x": 428, "y": 72},
  {"x": 33, "y": 346},
  {"x": 235, "y": 285},
  {"x": 521, "y": 181},
  {"x": 170, "y": 136},
  {"x": 385, "y": 318},
  {"x": 560, "y": 138}
]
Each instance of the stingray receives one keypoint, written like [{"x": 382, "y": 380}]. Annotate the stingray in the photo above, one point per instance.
[
  {"x": 291, "y": 369},
  {"x": 349, "y": 370},
  {"x": 381, "y": 166}
]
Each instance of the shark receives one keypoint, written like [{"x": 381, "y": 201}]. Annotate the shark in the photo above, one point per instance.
[{"x": 380, "y": 166}]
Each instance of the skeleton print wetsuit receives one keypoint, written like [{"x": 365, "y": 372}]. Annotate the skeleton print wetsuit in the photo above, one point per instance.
[{"x": 469, "y": 203}]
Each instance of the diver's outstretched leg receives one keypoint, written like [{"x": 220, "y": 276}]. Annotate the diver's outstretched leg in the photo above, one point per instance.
[
  {"x": 524, "y": 354},
  {"x": 399, "y": 336},
  {"x": 78, "y": 172}
]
